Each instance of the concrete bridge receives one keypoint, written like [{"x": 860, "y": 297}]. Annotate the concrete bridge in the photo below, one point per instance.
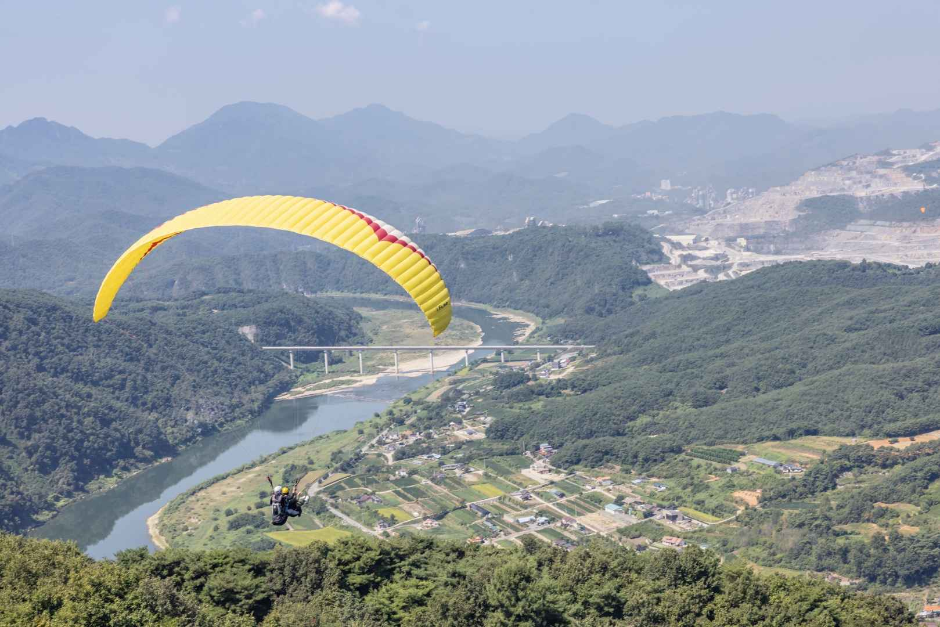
[{"x": 502, "y": 348}]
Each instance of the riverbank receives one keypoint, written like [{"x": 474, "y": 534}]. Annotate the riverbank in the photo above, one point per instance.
[
  {"x": 530, "y": 320},
  {"x": 153, "y": 529}
]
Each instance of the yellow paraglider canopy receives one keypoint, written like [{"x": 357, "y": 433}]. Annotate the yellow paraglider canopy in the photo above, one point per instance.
[{"x": 373, "y": 240}]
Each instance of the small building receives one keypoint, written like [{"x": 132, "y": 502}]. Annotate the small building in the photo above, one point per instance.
[
  {"x": 542, "y": 521},
  {"x": 541, "y": 467},
  {"x": 638, "y": 481},
  {"x": 673, "y": 515},
  {"x": 568, "y": 521},
  {"x": 790, "y": 469},
  {"x": 732, "y": 469},
  {"x": 523, "y": 495},
  {"x": 526, "y": 520},
  {"x": 366, "y": 499},
  {"x": 673, "y": 541},
  {"x": 558, "y": 494},
  {"x": 567, "y": 358},
  {"x": 613, "y": 508},
  {"x": 660, "y": 487},
  {"x": 603, "y": 481},
  {"x": 766, "y": 462},
  {"x": 929, "y": 611},
  {"x": 381, "y": 525},
  {"x": 475, "y": 540},
  {"x": 430, "y": 523},
  {"x": 482, "y": 511}
]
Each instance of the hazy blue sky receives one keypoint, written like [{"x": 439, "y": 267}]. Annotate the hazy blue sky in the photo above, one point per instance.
[{"x": 145, "y": 70}]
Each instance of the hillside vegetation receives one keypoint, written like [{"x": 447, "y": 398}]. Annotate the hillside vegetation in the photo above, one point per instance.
[
  {"x": 823, "y": 348},
  {"x": 80, "y": 400},
  {"x": 414, "y": 582},
  {"x": 557, "y": 271},
  {"x": 864, "y": 513}
]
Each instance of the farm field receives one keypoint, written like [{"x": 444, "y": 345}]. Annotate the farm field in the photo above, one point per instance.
[
  {"x": 697, "y": 515},
  {"x": 804, "y": 450},
  {"x": 399, "y": 515},
  {"x": 488, "y": 490},
  {"x": 303, "y": 538}
]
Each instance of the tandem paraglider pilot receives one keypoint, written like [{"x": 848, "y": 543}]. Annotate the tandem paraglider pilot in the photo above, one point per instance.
[{"x": 285, "y": 503}]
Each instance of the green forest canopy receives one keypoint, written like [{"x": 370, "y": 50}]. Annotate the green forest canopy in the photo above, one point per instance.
[
  {"x": 824, "y": 348},
  {"x": 416, "y": 582}
]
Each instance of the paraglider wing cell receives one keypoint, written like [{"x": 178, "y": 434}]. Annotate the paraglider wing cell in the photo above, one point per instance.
[{"x": 373, "y": 240}]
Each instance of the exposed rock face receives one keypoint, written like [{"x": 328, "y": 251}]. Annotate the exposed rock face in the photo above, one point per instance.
[
  {"x": 250, "y": 332},
  {"x": 891, "y": 172}
]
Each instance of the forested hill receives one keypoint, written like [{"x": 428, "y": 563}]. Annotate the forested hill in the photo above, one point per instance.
[
  {"x": 553, "y": 271},
  {"x": 79, "y": 400},
  {"x": 415, "y": 582},
  {"x": 810, "y": 348}
]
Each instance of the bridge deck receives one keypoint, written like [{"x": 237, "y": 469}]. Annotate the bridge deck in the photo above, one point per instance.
[{"x": 429, "y": 348}]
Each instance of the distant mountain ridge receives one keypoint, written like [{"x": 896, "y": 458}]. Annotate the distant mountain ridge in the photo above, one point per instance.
[
  {"x": 39, "y": 139},
  {"x": 448, "y": 177}
]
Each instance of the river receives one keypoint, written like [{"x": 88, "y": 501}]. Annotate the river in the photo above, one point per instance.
[{"x": 116, "y": 520}]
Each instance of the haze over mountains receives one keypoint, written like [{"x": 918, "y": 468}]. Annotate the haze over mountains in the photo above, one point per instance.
[{"x": 375, "y": 157}]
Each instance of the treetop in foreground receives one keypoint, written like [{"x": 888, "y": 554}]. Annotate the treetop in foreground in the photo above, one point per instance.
[{"x": 369, "y": 582}]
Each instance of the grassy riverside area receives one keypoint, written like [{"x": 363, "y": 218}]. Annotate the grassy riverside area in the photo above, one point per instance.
[{"x": 392, "y": 327}]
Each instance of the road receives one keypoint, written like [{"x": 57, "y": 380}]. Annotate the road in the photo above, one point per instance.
[{"x": 350, "y": 521}]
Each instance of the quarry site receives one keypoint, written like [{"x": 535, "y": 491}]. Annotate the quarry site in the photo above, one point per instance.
[{"x": 739, "y": 237}]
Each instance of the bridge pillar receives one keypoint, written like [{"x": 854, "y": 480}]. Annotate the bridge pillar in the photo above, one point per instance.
[
  {"x": 431, "y": 356},
  {"x": 396, "y": 362},
  {"x": 326, "y": 361},
  {"x": 538, "y": 355},
  {"x": 466, "y": 359},
  {"x": 360, "y": 362},
  {"x": 502, "y": 357},
  {"x": 290, "y": 354}
]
